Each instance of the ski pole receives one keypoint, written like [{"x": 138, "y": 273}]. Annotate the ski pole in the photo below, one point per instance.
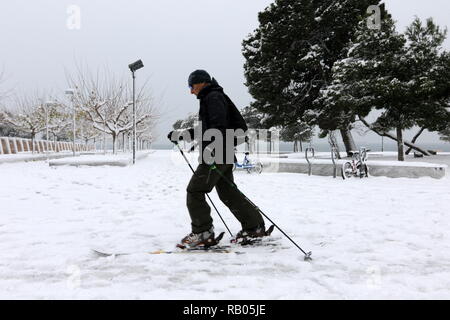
[
  {"x": 192, "y": 169},
  {"x": 232, "y": 184}
]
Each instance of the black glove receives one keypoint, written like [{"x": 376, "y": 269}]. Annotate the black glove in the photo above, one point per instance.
[
  {"x": 170, "y": 136},
  {"x": 176, "y": 135}
]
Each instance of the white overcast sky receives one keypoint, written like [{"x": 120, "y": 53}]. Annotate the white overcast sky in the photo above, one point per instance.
[{"x": 172, "y": 37}]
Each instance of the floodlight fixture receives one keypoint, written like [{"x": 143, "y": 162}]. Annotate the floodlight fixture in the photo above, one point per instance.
[{"x": 136, "y": 65}]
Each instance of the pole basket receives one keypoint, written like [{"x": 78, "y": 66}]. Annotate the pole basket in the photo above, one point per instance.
[{"x": 308, "y": 256}]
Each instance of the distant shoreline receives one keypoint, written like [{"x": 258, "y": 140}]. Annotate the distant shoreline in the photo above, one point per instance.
[{"x": 323, "y": 147}]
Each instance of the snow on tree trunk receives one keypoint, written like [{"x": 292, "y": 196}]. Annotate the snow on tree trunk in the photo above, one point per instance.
[{"x": 349, "y": 143}]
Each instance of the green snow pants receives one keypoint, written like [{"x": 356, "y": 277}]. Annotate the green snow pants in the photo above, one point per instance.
[{"x": 202, "y": 182}]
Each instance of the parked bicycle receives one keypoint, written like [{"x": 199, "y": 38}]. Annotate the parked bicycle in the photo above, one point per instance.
[
  {"x": 248, "y": 165},
  {"x": 357, "y": 167}
]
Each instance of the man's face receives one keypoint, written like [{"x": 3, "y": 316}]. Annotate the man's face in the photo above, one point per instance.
[{"x": 196, "y": 88}]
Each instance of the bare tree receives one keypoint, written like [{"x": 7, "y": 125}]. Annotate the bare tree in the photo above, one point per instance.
[
  {"x": 27, "y": 116},
  {"x": 86, "y": 130},
  {"x": 145, "y": 131},
  {"x": 60, "y": 123},
  {"x": 106, "y": 101}
]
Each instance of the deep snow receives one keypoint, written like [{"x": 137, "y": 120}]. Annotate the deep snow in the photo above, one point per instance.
[{"x": 371, "y": 238}]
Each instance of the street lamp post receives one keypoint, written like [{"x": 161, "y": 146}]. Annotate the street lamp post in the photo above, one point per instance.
[
  {"x": 47, "y": 105},
  {"x": 71, "y": 92},
  {"x": 104, "y": 132},
  {"x": 46, "y": 121},
  {"x": 133, "y": 68}
]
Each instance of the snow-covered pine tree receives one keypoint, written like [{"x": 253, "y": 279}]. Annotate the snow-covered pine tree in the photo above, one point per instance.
[
  {"x": 252, "y": 117},
  {"x": 395, "y": 73},
  {"x": 431, "y": 66},
  {"x": 445, "y": 134},
  {"x": 187, "y": 123},
  {"x": 184, "y": 124},
  {"x": 289, "y": 58},
  {"x": 297, "y": 133}
]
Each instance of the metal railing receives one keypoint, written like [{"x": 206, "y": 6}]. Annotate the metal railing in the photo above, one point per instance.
[{"x": 309, "y": 150}]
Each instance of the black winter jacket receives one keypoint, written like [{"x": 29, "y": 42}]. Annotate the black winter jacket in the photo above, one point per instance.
[{"x": 214, "y": 113}]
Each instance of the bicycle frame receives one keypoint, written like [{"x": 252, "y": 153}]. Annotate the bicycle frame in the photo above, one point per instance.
[
  {"x": 248, "y": 165},
  {"x": 357, "y": 165},
  {"x": 245, "y": 163}
]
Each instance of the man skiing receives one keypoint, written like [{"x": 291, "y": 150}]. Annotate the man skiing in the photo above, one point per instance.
[{"x": 217, "y": 112}]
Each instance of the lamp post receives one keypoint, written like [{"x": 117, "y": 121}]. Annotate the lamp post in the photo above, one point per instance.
[
  {"x": 46, "y": 119},
  {"x": 71, "y": 92},
  {"x": 133, "y": 68},
  {"x": 47, "y": 105},
  {"x": 104, "y": 132}
]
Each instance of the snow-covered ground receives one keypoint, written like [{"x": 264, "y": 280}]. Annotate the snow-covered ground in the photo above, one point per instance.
[{"x": 371, "y": 238}]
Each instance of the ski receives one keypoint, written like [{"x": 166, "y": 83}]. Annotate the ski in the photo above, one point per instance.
[
  {"x": 211, "y": 248},
  {"x": 181, "y": 251}
]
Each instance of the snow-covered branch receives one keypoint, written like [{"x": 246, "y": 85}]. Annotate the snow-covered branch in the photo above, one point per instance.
[
  {"x": 391, "y": 136},
  {"x": 106, "y": 102}
]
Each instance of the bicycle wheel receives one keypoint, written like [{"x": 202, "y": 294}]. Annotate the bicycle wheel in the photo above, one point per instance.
[
  {"x": 257, "y": 167},
  {"x": 347, "y": 170},
  {"x": 363, "y": 170},
  {"x": 366, "y": 170}
]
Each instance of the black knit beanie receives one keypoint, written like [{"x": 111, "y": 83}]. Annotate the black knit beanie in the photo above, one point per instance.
[{"x": 199, "y": 76}]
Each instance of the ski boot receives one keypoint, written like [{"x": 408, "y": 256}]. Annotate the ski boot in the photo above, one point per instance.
[
  {"x": 202, "y": 240},
  {"x": 250, "y": 236}
]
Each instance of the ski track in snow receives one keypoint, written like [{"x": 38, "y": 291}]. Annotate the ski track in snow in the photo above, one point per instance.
[{"x": 372, "y": 238}]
